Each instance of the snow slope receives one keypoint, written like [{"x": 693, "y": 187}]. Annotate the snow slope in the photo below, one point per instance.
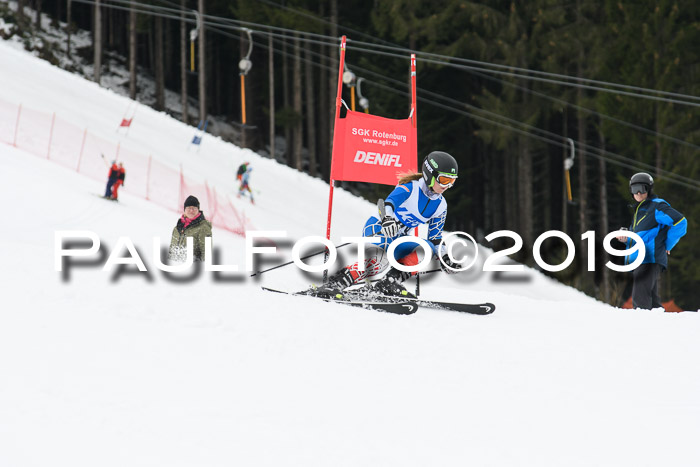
[{"x": 143, "y": 369}]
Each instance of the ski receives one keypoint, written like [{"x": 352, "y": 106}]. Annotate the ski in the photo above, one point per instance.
[
  {"x": 397, "y": 308},
  {"x": 106, "y": 198},
  {"x": 471, "y": 308}
]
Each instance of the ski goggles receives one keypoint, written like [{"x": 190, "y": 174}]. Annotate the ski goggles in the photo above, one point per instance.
[
  {"x": 446, "y": 180},
  {"x": 638, "y": 188}
]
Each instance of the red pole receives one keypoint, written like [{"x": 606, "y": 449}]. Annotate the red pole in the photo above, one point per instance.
[
  {"x": 82, "y": 147},
  {"x": 19, "y": 112},
  {"x": 414, "y": 115},
  {"x": 338, "y": 102},
  {"x": 53, "y": 120},
  {"x": 413, "y": 92}
]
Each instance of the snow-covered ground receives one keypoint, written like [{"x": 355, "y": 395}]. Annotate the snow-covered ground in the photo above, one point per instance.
[{"x": 142, "y": 369}]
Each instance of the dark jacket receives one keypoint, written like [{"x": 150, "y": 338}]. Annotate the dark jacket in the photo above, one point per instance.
[
  {"x": 113, "y": 173},
  {"x": 198, "y": 229},
  {"x": 660, "y": 227}
]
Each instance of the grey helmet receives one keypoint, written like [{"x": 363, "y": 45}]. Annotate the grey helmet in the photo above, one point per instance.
[
  {"x": 641, "y": 182},
  {"x": 437, "y": 163}
]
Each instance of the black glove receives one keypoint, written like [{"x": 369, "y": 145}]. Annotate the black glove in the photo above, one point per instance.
[
  {"x": 390, "y": 227},
  {"x": 446, "y": 263}
]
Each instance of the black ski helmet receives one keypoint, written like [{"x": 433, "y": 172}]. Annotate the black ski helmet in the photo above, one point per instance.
[
  {"x": 438, "y": 162},
  {"x": 643, "y": 179}
]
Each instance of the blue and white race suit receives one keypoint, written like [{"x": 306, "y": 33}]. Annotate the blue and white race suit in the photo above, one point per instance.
[{"x": 412, "y": 204}]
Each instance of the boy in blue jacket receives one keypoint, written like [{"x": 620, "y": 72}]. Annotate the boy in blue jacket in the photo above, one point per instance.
[{"x": 660, "y": 227}]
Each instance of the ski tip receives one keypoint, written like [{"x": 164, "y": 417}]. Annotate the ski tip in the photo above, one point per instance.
[
  {"x": 267, "y": 289},
  {"x": 395, "y": 308}
]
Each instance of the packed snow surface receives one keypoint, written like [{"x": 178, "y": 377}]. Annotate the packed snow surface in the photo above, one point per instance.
[{"x": 120, "y": 367}]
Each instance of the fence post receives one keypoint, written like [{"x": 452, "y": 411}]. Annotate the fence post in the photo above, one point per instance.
[
  {"x": 53, "y": 121},
  {"x": 82, "y": 147},
  {"x": 148, "y": 178},
  {"x": 19, "y": 112},
  {"x": 182, "y": 182}
]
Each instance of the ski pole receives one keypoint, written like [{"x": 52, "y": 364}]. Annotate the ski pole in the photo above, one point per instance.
[
  {"x": 290, "y": 262},
  {"x": 429, "y": 272}
]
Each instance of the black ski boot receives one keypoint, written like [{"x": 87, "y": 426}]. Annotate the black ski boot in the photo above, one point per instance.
[
  {"x": 392, "y": 285},
  {"x": 335, "y": 285}
]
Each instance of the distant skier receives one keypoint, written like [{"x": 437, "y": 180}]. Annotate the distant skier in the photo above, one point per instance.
[
  {"x": 660, "y": 227},
  {"x": 191, "y": 224},
  {"x": 112, "y": 177},
  {"x": 121, "y": 176},
  {"x": 417, "y": 199},
  {"x": 245, "y": 185},
  {"x": 241, "y": 170}
]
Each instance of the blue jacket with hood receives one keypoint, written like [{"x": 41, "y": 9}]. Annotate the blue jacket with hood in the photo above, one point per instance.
[{"x": 660, "y": 227}]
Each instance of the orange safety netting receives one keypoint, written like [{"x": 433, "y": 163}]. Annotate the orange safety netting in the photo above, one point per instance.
[{"x": 60, "y": 141}]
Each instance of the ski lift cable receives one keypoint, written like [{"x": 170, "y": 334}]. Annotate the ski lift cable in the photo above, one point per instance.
[
  {"x": 439, "y": 96},
  {"x": 544, "y": 80},
  {"x": 451, "y": 61},
  {"x": 587, "y": 110},
  {"x": 427, "y": 55},
  {"x": 552, "y": 138}
]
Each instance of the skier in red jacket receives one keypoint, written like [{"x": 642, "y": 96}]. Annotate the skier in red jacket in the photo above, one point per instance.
[
  {"x": 121, "y": 175},
  {"x": 111, "y": 179}
]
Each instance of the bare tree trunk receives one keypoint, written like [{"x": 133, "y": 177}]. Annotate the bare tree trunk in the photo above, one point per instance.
[
  {"x": 132, "y": 52},
  {"x": 657, "y": 141},
  {"x": 215, "y": 78},
  {"x": 298, "y": 126},
  {"x": 183, "y": 62},
  {"x": 38, "y": 15},
  {"x": 110, "y": 28},
  {"x": 68, "y": 27},
  {"x": 55, "y": 21},
  {"x": 168, "y": 50},
  {"x": 604, "y": 225},
  {"x": 286, "y": 104},
  {"x": 20, "y": 10},
  {"x": 324, "y": 123},
  {"x": 525, "y": 181},
  {"x": 583, "y": 183},
  {"x": 158, "y": 65},
  {"x": 97, "y": 42},
  {"x": 202, "y": 69},
  {"x": 310, "y": 112},
  {"x": 271, "y": 84},
  {"x": 333, "y": 75},
  {"x": 585, "y": 282},
  {"x": 510, "y": 200}
]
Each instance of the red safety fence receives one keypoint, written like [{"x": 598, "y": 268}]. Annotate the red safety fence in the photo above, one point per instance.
[{"x": 50, "y": 137}]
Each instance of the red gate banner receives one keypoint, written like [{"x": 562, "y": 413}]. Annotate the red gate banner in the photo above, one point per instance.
[{"x": 373, "y": 149}]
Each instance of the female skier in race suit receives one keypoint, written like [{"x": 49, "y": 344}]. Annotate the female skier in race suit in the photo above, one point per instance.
[{"x": 417, "y": 199}]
